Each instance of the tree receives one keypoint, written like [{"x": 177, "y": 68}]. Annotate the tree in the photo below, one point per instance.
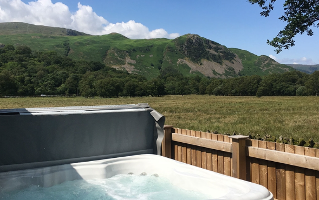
[
  {"x": 8, "y": 84},
  {"x": 71, "y": 84},
  {"x": 9, "y": 48},
  {"x": 86, "y": 85},
  {"x": 214, "y": 84},
  {"x": 300, "y": 15},
  {"x": 266, "y": 86},
  {"x": 109, "y": 87},
  {"x": 142, "y": 89},
  {"x": 24, "y": 50},
  {"x": 203, "y": 85},
  {"x": 250, "y": 85},
  {"x": 301, "y": 91},
  {"x": 106, "y": 88},
  {"x": 130, "y": 88},
  {"x": 157, "y": 87},
  {"x": 312, "y": 83}
]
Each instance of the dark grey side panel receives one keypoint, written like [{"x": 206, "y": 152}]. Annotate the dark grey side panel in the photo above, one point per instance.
[{"x": 40, "y": 138}]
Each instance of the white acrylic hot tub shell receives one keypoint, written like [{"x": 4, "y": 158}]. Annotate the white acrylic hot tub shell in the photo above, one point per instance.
[{"x": 188, "y": 177}]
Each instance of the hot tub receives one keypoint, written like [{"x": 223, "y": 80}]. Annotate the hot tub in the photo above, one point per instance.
[
  {"x": 48, "y": 148},
  {"x": 209, "y": 184}
]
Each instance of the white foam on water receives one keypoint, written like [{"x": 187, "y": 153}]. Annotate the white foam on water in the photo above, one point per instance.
[{"x": 119, "y": 187}]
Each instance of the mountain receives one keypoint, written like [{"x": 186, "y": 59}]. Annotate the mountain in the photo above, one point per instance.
[
  {"x": 190, "y": 54},
  {"x": 309, "y": 69},
  {"x": 16, "y": 28}
]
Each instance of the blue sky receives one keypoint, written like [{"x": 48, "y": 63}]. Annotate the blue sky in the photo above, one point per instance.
[{"x": 233, "y": 23}]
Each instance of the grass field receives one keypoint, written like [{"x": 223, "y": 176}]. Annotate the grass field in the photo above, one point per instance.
[{"x": 296, "y": 117}]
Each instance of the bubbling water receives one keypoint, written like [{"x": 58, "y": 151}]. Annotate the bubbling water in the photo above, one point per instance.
[{"x": 119, "y": 187}]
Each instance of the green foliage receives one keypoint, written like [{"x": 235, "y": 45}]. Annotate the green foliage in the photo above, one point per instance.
[
  {"x": 23, "y": 50},
  {"x": 109, "y": 87},
  {"x": 261, "y": 91},
  {"x": 8, "y": 85},
  {"x": 25, "y": 73},
  {"x": 8, "y": 48},
  {"x": 86, "y": 85},
  {"x": 312, "y": 83},
  {"x": 67, "y": 48},
  {"x": 281, "y": 85},
  {"x": 301, "y": 91},
  {"x": 170, "y": 72},
  {"x": 157, "y": 87}
]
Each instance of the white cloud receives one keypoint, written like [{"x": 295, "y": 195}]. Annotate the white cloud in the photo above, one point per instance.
[
  {"x": 44, "y": 12},
  {"x": 41, "y": 12},
  {"x": 273, "y": 57},
  {"x": 130, "y": 29},
  {"x": 86, "y": 20},
  {"x": 161, "y": 32}
]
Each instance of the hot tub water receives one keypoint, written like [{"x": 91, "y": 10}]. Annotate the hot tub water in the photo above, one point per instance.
[{"x": 118, "y": 187}]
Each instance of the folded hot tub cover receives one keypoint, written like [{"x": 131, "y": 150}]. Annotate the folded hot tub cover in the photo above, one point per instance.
[{"x": 39, "y": 137}]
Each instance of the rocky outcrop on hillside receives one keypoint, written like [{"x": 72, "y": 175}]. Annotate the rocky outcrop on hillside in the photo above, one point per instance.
[{"x": 207, "y": 57}]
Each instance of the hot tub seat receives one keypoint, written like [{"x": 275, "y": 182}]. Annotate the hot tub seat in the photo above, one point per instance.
[{"x": 188, "y": 177}]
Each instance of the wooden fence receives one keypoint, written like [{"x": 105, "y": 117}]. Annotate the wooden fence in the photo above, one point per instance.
[{"x": 288, "y": 171}]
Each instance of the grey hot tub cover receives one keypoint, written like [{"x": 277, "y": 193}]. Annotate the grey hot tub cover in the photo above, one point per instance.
[{"x": 39, "y": 137}]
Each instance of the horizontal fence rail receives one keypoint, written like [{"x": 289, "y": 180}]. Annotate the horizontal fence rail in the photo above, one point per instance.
[
  {"x": 202, "y": 142},
  {"x": 303, "y": 161},
  {"x": 288, "y": 171}
]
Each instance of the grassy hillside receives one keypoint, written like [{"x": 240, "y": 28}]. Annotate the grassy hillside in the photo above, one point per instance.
[
  {"x": 309, "y": 69},
  {"x": 190, "y": 54},
  {"x": 96, "y": 48},
  {"x": 259, "y": 65},
  {"x": 17, "y": 28}
]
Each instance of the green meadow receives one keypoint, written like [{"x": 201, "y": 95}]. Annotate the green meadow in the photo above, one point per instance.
[{"x": 288, "y": 117}]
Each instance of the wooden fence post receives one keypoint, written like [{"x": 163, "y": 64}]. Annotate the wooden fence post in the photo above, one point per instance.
[
  {"x": 239, "y": 156},
  {"x": 167, "y": 141}
]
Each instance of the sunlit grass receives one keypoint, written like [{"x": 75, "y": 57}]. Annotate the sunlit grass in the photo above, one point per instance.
[{"x": 296, "y": 117}]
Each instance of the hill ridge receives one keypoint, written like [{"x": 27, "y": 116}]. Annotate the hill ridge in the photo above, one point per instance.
[
  {"x": 190, "y": 54},
  {"x": 15, "y": 28}
]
